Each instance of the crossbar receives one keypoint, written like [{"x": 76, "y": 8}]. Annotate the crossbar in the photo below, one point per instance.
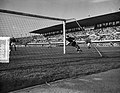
[{"x": 31, "y": 15}]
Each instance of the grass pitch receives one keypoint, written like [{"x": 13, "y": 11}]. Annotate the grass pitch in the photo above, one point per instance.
[{"x": 37, "y": 65}]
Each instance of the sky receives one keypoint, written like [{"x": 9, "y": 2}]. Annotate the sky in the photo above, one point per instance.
[{"x": 78, "y": 9}]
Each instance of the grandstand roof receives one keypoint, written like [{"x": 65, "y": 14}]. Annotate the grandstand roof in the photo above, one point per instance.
[{"x": 111, "y": 17}]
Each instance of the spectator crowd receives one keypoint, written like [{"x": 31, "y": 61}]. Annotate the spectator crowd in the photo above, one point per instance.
[{"x": 109, "y": 31}]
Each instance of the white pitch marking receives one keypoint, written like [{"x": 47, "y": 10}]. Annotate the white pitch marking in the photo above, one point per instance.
[
  {"x": 85, "y": 80},
  {"x": 97, "y": 78}
]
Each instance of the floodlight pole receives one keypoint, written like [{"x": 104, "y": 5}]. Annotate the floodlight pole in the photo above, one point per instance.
[{"x": 64, "y": 38}]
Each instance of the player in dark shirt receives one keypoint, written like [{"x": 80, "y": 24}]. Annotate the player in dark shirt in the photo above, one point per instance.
[
  {"x": 12, "y": 43},
  {"x": 73, "y": 43}
]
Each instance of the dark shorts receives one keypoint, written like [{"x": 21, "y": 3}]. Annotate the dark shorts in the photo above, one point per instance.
[{"x": 73, "y": 43}]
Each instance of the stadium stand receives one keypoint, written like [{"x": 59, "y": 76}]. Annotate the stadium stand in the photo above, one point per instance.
[
  {"x": 103, "y": 21},
  {"x": 104, "y": 24}
]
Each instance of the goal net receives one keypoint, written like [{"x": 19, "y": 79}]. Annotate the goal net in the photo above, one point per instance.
[{"x": 18, "y": 25}]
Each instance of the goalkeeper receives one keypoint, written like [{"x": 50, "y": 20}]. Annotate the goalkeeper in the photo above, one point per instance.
[{"x": 73, "y": 43}]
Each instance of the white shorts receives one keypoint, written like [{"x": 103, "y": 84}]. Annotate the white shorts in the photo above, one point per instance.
[{"x": 13, "y": 44}]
